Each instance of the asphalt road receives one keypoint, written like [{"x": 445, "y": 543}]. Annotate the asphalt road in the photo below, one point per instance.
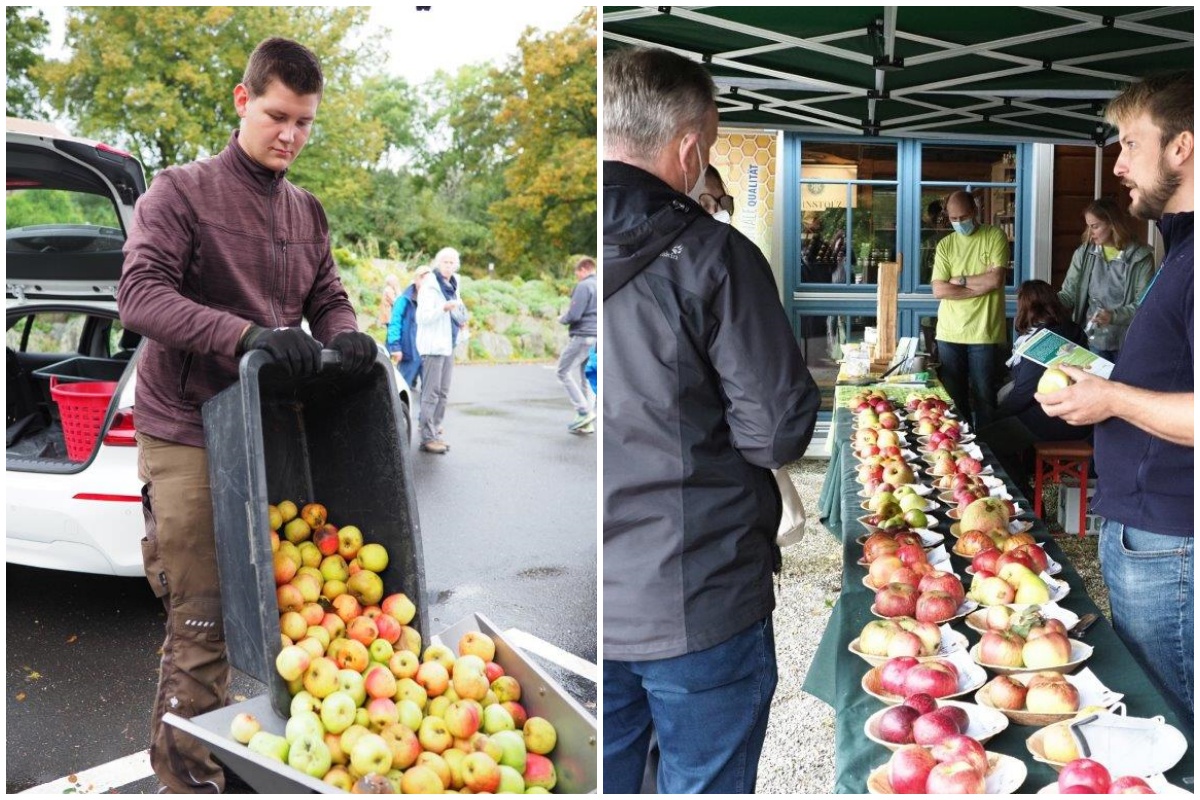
[{"x": 508, "y": 529}]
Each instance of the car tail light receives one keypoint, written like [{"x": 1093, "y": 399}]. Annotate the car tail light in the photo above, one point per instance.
[
  {"x": 120, "y": 433},
  {"x": 108, "y": 148}
]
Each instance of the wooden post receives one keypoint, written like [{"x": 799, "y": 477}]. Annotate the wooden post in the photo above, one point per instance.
[{"x": 885, "y": 310}]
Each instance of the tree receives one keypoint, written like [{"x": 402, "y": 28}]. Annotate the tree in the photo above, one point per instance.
[
  {"x": 158, "y": 81},
  {"x": 26, "y": 32},
  {"x": 550, "y": 210}
]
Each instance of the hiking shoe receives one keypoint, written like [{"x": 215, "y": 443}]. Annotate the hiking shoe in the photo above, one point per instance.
[
  {"x": 582, "y": 421},
  {"x": 434, "y": 447},
  {"x": 589, "y": 428}
]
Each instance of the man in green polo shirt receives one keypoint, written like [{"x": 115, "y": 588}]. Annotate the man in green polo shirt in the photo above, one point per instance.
[{"x": 969, "y": 279}]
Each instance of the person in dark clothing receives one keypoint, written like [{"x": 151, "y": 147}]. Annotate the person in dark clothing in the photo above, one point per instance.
[
  {"x": 694, "y": 420},
  {"x": 402, "y": 329},
  {"x": 1020, "y": 422},
  {"x": 1145, "y": 413}
]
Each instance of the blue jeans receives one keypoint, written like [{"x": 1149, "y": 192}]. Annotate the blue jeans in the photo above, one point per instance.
[
  {"x": 1151, "y": 589},
  {"x": 968, "y": 371},
  {"x": 708, "y": 708}
]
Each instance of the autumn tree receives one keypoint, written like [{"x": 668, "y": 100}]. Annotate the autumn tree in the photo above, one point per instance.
[
  {"x": 25, "y": 34},
  {"x": 550, "y": 209},
  {"x": 158, "y": 81}
]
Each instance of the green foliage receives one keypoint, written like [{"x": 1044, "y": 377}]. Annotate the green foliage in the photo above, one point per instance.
[{"x": 26, "y": 32}]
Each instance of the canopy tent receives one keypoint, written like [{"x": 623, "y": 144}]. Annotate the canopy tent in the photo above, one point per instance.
[{"x": 992, "y": 73}]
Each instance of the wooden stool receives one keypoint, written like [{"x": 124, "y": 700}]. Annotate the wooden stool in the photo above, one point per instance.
[{"x": 1057, "y": 460}]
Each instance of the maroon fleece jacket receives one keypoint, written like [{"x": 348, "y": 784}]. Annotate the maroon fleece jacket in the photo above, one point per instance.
[{"x": 216, "y": 245}]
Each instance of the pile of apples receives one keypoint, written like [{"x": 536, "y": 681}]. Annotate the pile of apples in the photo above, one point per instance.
[
  {"x": 956, "y": 765},
  {"x": 1015, "y": 583},
  {"x": 900, "y": 509},
  {"x": 1085, "y": 776},
  {"x": 934, "y": 597},
  {"x": 919, "y": 720},
  {"x": 1039, "y": 693},
  {"x": 903, "y": 636},
  {"x": 1041, "y": 651},
  {"x": 1029, "y": 622},
  {"x": 905, "y": 676},
  {"x": 370, "y": 713}
]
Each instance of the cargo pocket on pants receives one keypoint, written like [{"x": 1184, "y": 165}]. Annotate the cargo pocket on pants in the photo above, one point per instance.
[{"x": 156, "y": 574}]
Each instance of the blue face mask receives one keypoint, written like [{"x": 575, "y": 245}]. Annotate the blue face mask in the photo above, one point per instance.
[{"x": 965, "y": 227}]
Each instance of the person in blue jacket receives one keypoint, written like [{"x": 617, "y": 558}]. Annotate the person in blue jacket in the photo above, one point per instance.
[{"x": 402, "y": 330}]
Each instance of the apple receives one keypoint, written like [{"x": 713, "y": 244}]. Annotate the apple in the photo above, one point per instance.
[
  {"x": 399, "y": 607},
  {"x": 972, "y": 542},
  {"x": 366, "y": 586},
  {"x": 496, "y": 718},
  {"x": 1001, "y": 649},
  {"x": 480, "y": 772},
  {"x": 434, "y": 735},
  {"x": 1052, "y": 697},
  {"x": 270, "y": 745},
  {"x": 337, "y": 711},
  {"x": 297, "y": 531},
  {"x": 1087, "y": 773},
  {"x": 404, "y": 664},
  {"x": 291, "y": 662},
  {"x": 1048, "y": 650},
  {"x": 435, "y": 762},
  {"x": 875, "y": 636},
  {"x": 909, "y": 768},
  {"x": 910, "y": 554},
  {"x": 333, "y": 568},
  {"x": 935, "y": 678},
  {"x": 923, "y": 703},
  {"x": 362, "y": 629},
  {"x": 433, "y": 677},
  {"x": 893, "y": 671},
  {"x": 943, "y": 581},
  {"x": 309, "y": 754},
  {"x": 339, "y": 778},
  {"x": 409, "y": 689},
  {"x": 243, "y": 727},
  {"x": 409, "y": 712},
  {"x": 512, "y": 781},
  {"x": 1053, "y": 380},
  {"x": 285, "y": 568},
  {"x": 932, "y": 728},
  {"x": 955, "y": 777},
  {"x": 986, "y": 559},
  {"x": 352, "y": 654},
  {"x": 936, "y": 606},
  {"x": 960, "y": 747},
  {"x": 1058, "y": 744},
  {"x": 512, "y": 745},
  {"x": 1129, "y": 784},
  {"x": 463, "y": 718},
  {"x": 506, "y": 688},
  {"x": 929, "y": 634},
  {"x": 1014, "y": 556},
  {"x": 320, "y": 679},
  {"x": 992, "y": 590},
  {"x": 985, "y": 514},
  {"x": 539, "y": 773},
  {"x": 881, "y": 569},
  {"x": 380, "y": 651},
  {"x": 347, "y": 607},
  {"x": 373, "y": 557},
  {"x": 410, "y": 639},
  {"x": 350, "y": 539},
  {"x": 896, "y": 600},
  {"x": 371, "y": 753},
  {"x": 896, "y": 724},
  {"x": 1006, "y": 693},
  {"x": 421, "y": 780},
  {"x": 957, "y": 715},
  {"x": 904, "y": 643}
]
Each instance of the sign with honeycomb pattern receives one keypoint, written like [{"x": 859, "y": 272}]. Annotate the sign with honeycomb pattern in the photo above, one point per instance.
[{"x": 747, "y": 162}]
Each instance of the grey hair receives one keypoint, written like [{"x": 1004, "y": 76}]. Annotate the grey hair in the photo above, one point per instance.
[{"x": 650, "y": 95}]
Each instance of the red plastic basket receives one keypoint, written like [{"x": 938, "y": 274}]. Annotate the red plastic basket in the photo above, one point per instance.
[{"x": 82, "y": 407}]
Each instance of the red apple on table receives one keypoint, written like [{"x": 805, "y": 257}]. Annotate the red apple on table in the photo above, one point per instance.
[
  {"x": 1048, "y": 650},
  {"x": 881, "y": 569},
  {"x": 910, "y": 554},
  {"x": 893, "y": 672},
  {"x": 958, "y": 715},
  {"x": 986, "y": 559},
  {"x": 923, "y": 703},
  {"x": 943, "y": 581},
  {"x": 896, "y": 724},
  {"x": 896, "y": 600},
  {"x": 1129, "y": 784},
  {"x": 1087, "y": 773},
  {"x": 972, "y": 542},
  {"x": 905, "y": 575},
  {"x": 935, "y": 678},
  {"x": 1015, "y": 556},
  {"x": 955, "y": 777},
  {"x": 1036, "y": 554},
  {"x": 960, "y": 747},
  {"x": 936, "y": 606},
  {"x": 909, "y": 768},
  {"x": 1001, "y": 649},
  {"x": 1050, "y": 696},
  {"x": 931, "y": 728},
  {"x": 1006, "y": 693}
]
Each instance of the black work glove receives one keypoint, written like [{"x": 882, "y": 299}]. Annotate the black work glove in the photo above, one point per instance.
[
  {"x": 292, "y": 348},
  {"x": 358, "y": 350}
]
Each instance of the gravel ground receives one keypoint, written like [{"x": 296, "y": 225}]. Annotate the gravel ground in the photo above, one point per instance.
[{"x": 798, "y": 755}]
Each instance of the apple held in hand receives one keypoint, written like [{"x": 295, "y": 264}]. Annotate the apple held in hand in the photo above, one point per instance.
[{"x": 1053, "y": 380}]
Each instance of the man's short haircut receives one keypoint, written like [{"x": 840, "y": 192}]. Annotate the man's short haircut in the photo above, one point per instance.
[
  {"x": 963, "y": 196},
  {"x": 291, "y": 63},
  {"x": 650, "y": 96},
  {"x": 587, "y": 263},
  {"x": 1168, "y": 98}
]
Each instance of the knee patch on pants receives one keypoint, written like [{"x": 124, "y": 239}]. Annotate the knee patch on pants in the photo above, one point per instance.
[{"x": 198, "y": 620}]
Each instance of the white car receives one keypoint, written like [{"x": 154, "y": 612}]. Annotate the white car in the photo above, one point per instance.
[{"x": 69, "y": 204}]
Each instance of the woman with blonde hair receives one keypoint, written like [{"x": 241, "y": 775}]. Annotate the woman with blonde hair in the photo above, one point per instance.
[{"x": 1109, "y": 274}]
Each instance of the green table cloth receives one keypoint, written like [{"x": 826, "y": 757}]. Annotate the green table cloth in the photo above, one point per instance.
[{"x": 835, "y": 674}]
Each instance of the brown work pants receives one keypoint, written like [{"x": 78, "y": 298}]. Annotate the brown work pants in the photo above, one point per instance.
[{"x": 179, "y": 554}]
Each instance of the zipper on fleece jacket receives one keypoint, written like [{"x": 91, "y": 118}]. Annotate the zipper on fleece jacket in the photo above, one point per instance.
[{"x": 275, "y": 269}]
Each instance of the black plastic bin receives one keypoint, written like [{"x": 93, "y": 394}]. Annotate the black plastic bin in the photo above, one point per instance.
[{"x": 335, "y": 439}]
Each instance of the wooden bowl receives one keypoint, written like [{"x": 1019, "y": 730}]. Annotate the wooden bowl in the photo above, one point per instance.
[
  {"x": 1030, "y": 718},
  {"x": 952, "y": 642},
  {"x": 968, "y": 681},
  {"x": 1080, "y": 652},
  {"x": 1005, "y": 775},
  {"x": 983, "y": 723}
]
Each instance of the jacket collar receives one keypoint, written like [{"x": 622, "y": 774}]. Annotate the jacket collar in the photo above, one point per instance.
[
  {"x": 249, "y": 171},
  {"x": 1176, "y": 227}
]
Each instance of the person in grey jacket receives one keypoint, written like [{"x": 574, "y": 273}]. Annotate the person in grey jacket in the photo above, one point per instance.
[
  {"x": 705, "y": 392},
  {"x": 580, "y": 319},
  {"x": 1109, "y": 274}
]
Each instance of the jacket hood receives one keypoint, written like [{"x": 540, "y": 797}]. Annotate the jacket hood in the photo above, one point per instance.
[{"x": 633, "y": 239}]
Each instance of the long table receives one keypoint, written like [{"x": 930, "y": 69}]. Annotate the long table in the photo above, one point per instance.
[{"x": 835, "y": 674}]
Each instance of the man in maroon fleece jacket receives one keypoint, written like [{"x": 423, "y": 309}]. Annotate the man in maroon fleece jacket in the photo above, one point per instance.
[{"x": 224, "y": 256}]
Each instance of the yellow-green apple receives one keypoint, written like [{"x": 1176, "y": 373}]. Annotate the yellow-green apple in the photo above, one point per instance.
[
  {"x": 310, "y": 556},
  {"x": 955, "y": 777},
  {"x": 438, "y": 705},
  {"x": 306, "y": 722},
  {"x": 287, "y": 510},
  {"x": 512, "y": 781},
  {"x": 381, "y": 712},
  {"x": 476, "y": 643},
  {"x": 404, "y": 663},
  {"x": 892, "y": 672},
  {"x": 399, "y": 607},
  {"x": 998, "y": 618},
  {"x": 334, "y": 625},
  {"x": 244, "y": 726},
  {"x": 304, "y": 700},
  {"x": 934, "y": 678},
  {"x": 352, "y": 654},
  {"x": 440, "y": 653},
  {"x": 379, "y": 681},
  {"x": 992, "y": 591},
  {"x": 463, "y": 718},
  {"x": 331, "y": 590},
  {"x": 896, "y": 724},
  {"x": 496, "y": 718},
  {"x": 274, "y": 518},
  {"x": 321, "y": 677},
  {"x": 1049, "y": 696},
  {"x": 904, "y": 643},
  {"x": 410, "y": 639},
  {"x": 291, "y": 662},
  {"x": 349, "y": 737},
  {"x": 506, "y": 688},
  {"x": 1048, "y": 650},
  {"x": 409, "y": 689},
  {"x": 380, "y": 650},
  {"x": 404, "y": 745},
  {"x": 433, "y": 734},
  {"x": 1058, "y": 744},
  {"x": 361, "y": 717},
  {"x": 293, "y": 625},
  {"x": 351, "y": 682},
  {"x": 909, "y": 768},
  {"x": 409, "y": 712},
  {"x": 876, "y": 634},
  {"x": 454, "y": 760},
  {"x": 1086, "y": 773},
  {"x": 314, "y": 514},
  {"x": 373, "y": 557},
  {"x": 896, "y": 600},
  {"x": 347, "y": 607},
  {"x": 366, "y": 586},
  {"x": 1053, "y": 380},
  {"x": 512, "y": 746},
  {"x": 370, "y": 754},
  {"x": 1001, "y": 649},
  {"x": 297, "y": 531},
  {"x": 310, "y": 588},
  {"x": 420, "y": 780},
  {"x": 333, "y": 568},
  {"x": 985, "y": 514},
  {"x": 350, "y": 539},
  {"x": 339, "y": 778},
  {"x": 517, "y": 712},
  {"x": 270, "y": 745},
  {"x": 480, "y": 772},
  {"x": 435, "y": 762},
  {"x": 362, "y": 629},
  {"x": 285, "y": 568},
  {"x": 1006, "y": 693},
  {"x": 337, "y": 712},
  {"x": 433, "y": 676}
]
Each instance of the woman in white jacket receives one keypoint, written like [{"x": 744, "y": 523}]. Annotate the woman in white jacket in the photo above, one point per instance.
[{"x": 440, "y": 316}]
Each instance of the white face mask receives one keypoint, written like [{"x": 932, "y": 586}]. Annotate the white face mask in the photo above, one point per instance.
[
  {"x": 722, "y": 216},
  {"x": 698, "y": 188}
]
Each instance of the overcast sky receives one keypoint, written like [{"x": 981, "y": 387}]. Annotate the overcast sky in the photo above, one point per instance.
[{"x": 445, "y": 37}]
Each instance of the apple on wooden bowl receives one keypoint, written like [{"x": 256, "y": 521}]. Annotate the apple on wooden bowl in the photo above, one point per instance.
[
  {"x": 1008, "y": 653},
  {"x": 899, "y": 678},
  {"x": 910, "y": 772},
  {"x": 1043, "y": 698},
  {"x": 905, "y": 723}
]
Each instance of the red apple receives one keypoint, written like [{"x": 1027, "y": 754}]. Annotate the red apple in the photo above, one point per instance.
[
  {"x": 1085, "y": 772},
  {"x": 906, "y": 575},
  {"x": 910, "y": 554},
  {"x": 931, "y": 728},
  {"x": 893, "y": 672},
  {"x": 943, "y": 581},
  {"x": 909, "y": 768},
  {"x": 896, "y": 724},
  {"x": 958, "y": 716},
  {"x": 1005, "y": 693},
  {"x": 1036, "y": 554},
  {"x": 935, "y": 678},
  {"x": 960, "y": 747},
  {"x": 923, "y": 703},
  {"x": 1129, "y": 784},
  {"x": 972, "y": 542},
  {"x": 1001, "y": 649},
  {"x": 896, "y": 600},
  {"x": 955, "y": 777},
  {"x": 986, "y": 560},
  {"x": 1016, "y": 556},
  {"x": 936, "y": 606}
]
